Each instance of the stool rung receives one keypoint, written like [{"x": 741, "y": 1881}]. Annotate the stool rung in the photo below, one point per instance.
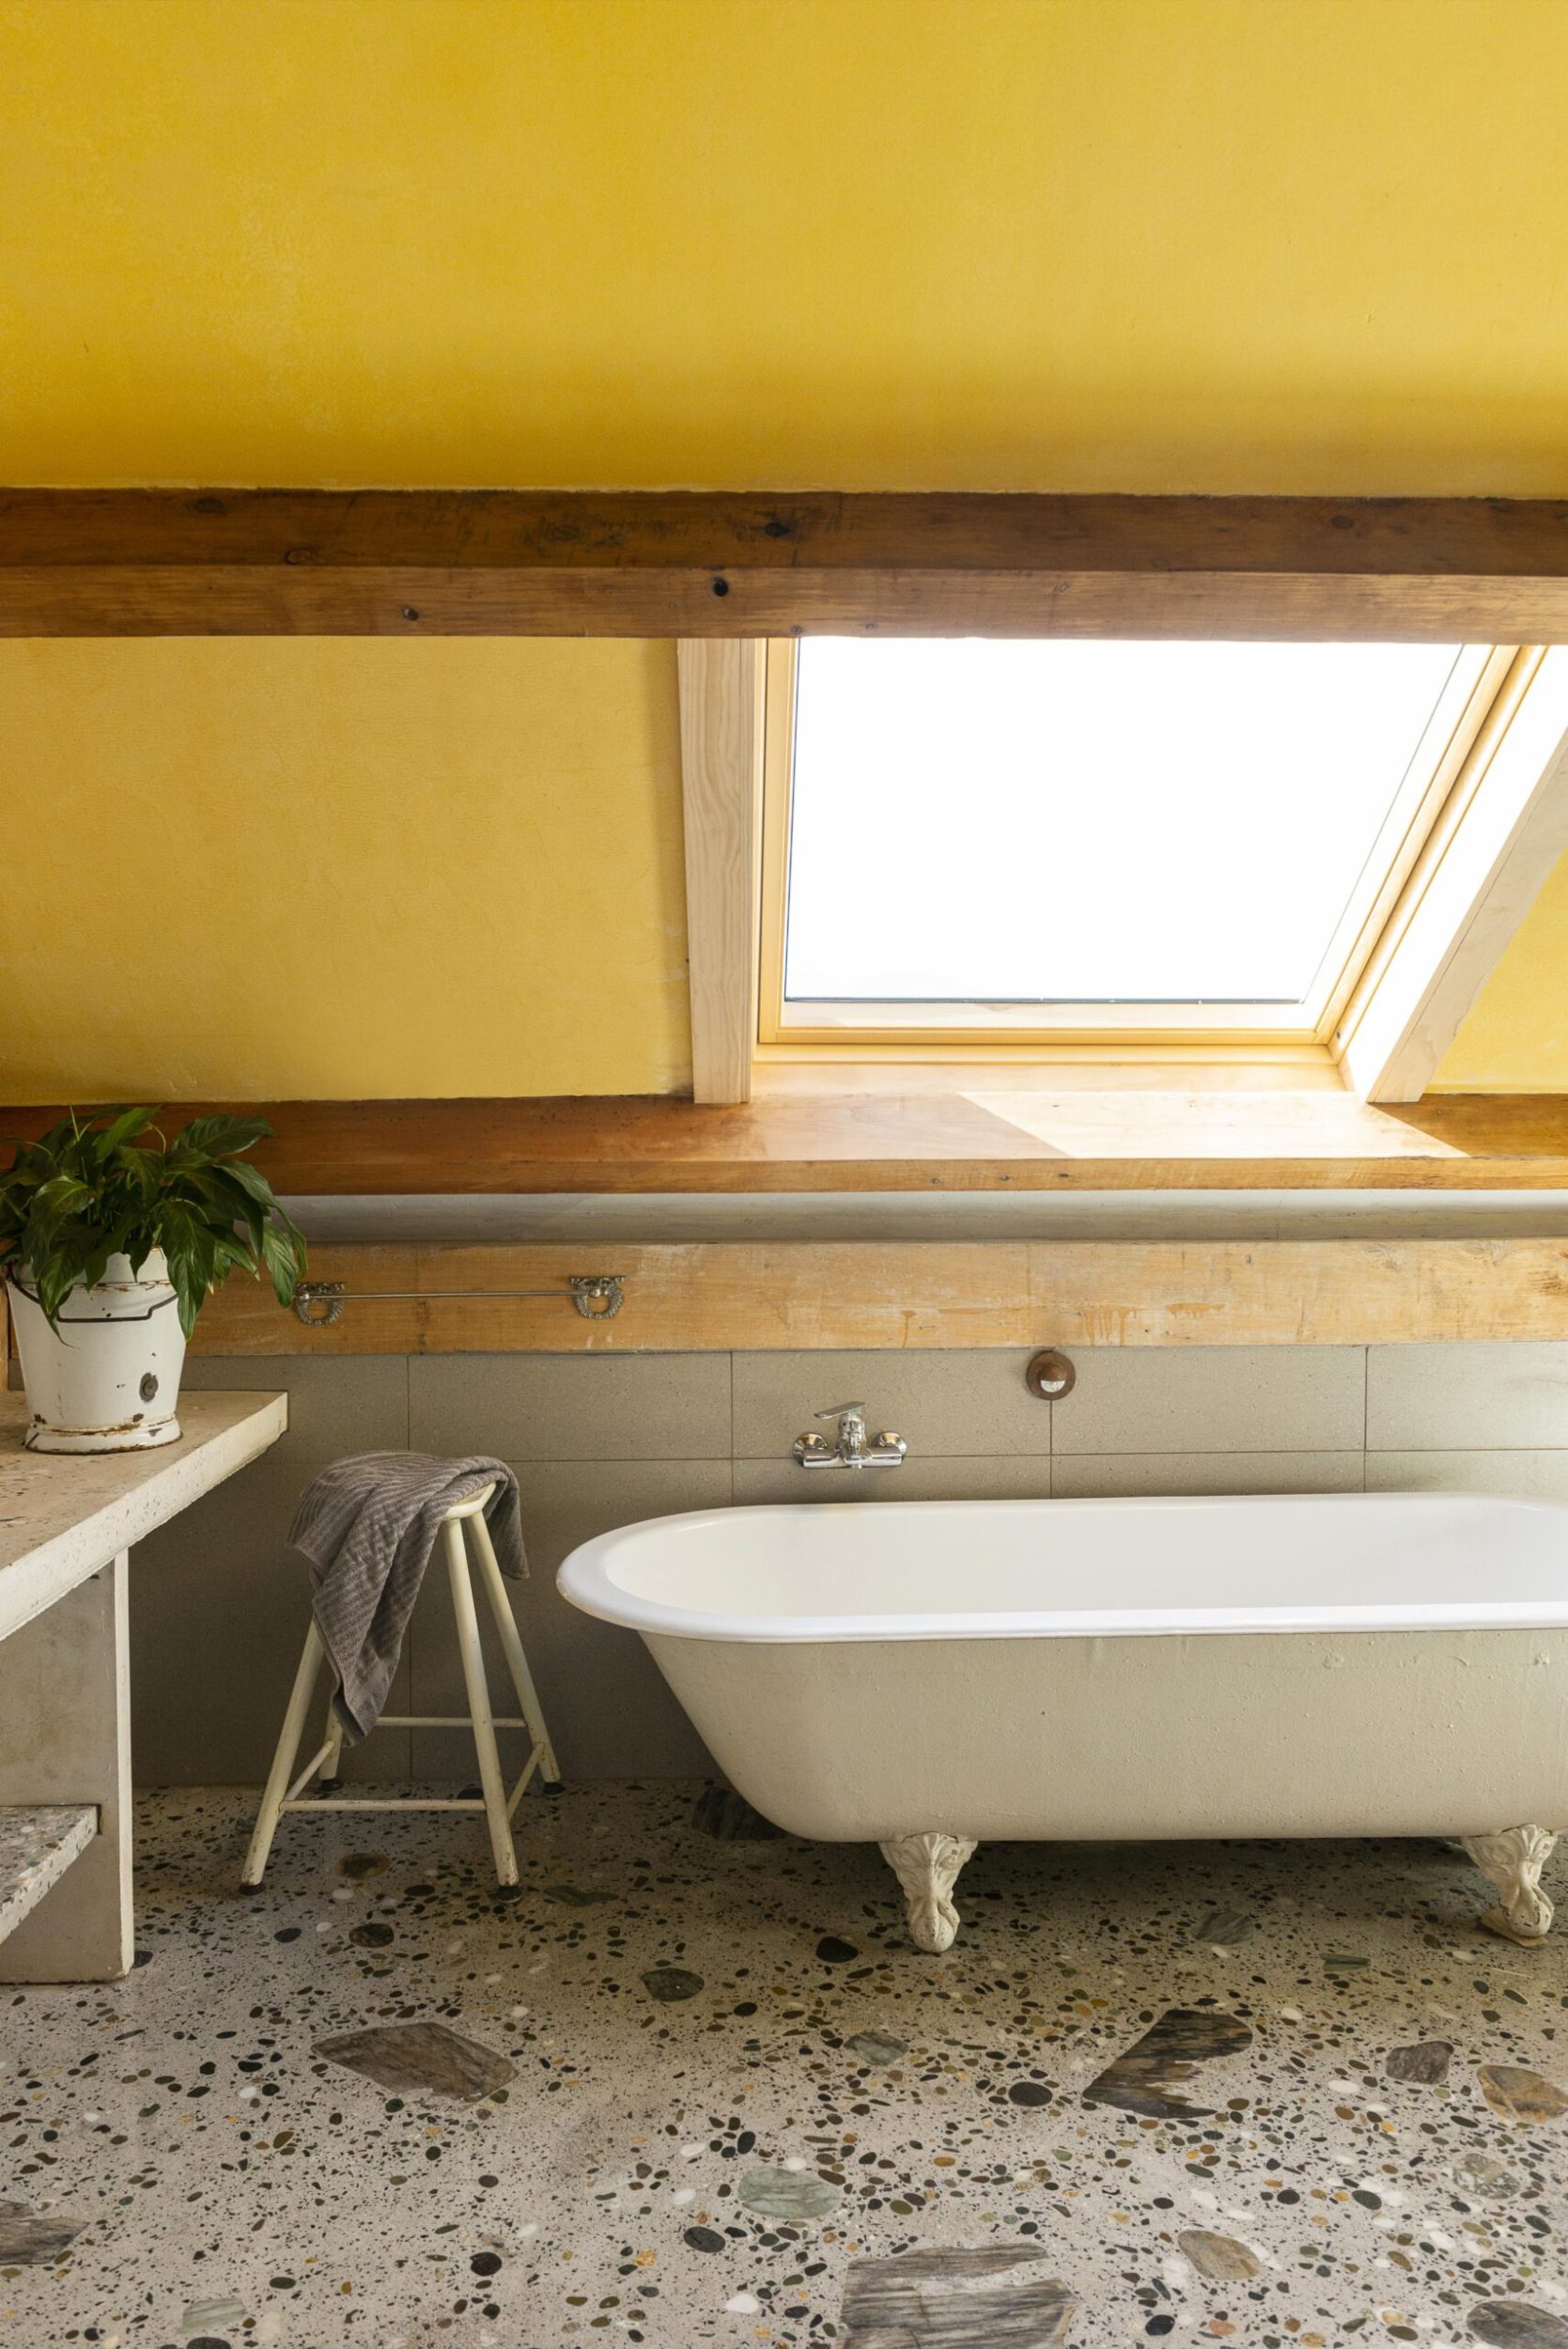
[
  {"x": 414, "y": 1802},
  {"x": 411, "y": 1720},
  {"x": 307, "y": 1774},
  {"x": 443, "y": 1720},
  {"x": 532, "y": 1763},
  {"x": 390, "y": 1802}
]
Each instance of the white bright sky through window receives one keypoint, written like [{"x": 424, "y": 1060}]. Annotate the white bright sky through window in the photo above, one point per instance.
[{"x": 1090, "y": 822}]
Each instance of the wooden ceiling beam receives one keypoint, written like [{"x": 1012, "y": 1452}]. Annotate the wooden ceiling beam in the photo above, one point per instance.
[{"x": 489, "y": 562}]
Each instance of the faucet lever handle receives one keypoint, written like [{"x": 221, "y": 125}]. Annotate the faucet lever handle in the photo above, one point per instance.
[{"x": 840, "y": 1410}]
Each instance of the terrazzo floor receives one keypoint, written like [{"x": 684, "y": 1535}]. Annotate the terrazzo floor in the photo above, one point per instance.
[{"x": 687, "y": 2089}]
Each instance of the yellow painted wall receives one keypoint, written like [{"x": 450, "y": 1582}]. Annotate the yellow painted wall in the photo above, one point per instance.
[
  {"x": 339, "y": 869},
  {"x": 1516, "y": 1040},
  {"x": 1146, "y": 244}
]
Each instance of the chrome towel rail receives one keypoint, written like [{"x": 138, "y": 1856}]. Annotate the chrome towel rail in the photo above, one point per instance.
[{"x": 597, "y": 1297}]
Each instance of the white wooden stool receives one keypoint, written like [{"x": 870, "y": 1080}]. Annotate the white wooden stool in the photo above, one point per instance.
[{"x": 283, "y": 1790}]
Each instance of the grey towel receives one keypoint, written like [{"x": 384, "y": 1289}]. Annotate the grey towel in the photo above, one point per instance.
[{"x": 367, "y": 1526}]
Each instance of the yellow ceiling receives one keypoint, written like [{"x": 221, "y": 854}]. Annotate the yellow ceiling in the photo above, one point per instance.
[{"x": 1143, "y": 245}]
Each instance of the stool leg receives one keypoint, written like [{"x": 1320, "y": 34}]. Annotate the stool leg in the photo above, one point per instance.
[
  {"x": 490, "y": 1780},
  {"x": 331, "y": 1736},
  {"x": 282, "y": 1771},
  {"x": 516, "y": 1662}
]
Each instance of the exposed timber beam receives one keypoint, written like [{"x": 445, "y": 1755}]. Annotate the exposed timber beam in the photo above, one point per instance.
[{"x": 492, "y": 561}]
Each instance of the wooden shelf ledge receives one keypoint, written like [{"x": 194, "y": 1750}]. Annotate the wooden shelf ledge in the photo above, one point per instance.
[
  {"x": 990, "y": 1136},
  {"x": 36, "y": 1846}
]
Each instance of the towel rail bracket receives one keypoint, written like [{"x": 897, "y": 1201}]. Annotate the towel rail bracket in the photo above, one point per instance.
[{"x": 597, "y": 1296}]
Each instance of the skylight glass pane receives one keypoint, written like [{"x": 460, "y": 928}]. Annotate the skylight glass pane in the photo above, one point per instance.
[{"x": 1097, "y": 822}]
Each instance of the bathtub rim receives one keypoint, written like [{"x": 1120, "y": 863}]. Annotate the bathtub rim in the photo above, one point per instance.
[{"x": 585, "y": 1580}]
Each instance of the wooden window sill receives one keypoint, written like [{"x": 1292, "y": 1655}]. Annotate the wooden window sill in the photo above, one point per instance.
[{"x": 995, "y": 1134}]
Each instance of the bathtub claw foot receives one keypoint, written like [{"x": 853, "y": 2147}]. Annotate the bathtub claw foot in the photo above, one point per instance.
[
  {"x": 927, "y": 1868},
  {"x": 1511, "y": 1862}
]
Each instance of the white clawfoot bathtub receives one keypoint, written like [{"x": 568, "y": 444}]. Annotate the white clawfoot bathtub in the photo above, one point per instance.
[{"x": 927, "y": 1674}]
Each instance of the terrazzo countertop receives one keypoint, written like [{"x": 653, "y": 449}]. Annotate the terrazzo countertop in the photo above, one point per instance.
[{"x": 692, "y": 2085}]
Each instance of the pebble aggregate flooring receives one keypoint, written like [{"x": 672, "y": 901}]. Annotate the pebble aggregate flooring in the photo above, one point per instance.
[{"x": 694, "y": 2087}]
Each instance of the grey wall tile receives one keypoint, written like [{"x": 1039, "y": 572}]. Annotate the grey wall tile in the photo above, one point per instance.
[
  {"x": 219, "y": 1606},
  {"x": 1093, "y": 1475},
  {"x": 218, "y": 1602},
  {"x": 999, "y": 1477},
  {"x": 1507, "y": 1396},
  {"x": 571, "y": 1406},
  {"x": 1535, "y": 1475},
  {"x": 949, "y": 1400},
  {"x": 1214, "y": 1398},
  {"x": 610, "y": 1713},
  {"x": 357, "y": 1403}
]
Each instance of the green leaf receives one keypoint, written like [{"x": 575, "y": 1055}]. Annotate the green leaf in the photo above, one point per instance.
[
  {"x": 284, "y": 1250},
  {"x": 220, "y": 1137},
  {"x": 64, "y": 1194},
  {"x": 128, "y": 1124},
  {"x": 251, "y": 1180}
]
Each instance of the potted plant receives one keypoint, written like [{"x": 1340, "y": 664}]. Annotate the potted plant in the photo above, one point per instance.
[{"x": 110, "y": 1238}]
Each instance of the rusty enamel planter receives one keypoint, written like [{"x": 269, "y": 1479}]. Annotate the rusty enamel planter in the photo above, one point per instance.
[{"x": 106, "y": 1378}]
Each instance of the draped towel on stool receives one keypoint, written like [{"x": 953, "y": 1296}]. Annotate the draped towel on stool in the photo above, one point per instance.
[{"x": 367, "y": 1526}]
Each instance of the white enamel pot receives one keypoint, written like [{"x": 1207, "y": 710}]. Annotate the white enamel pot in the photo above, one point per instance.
[{"x": 106, "y": 1377}]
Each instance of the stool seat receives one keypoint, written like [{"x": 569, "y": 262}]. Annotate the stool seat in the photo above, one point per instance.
[
  {"x": 474, "y": 1508},
  {"x": 284, "y": 1791}
]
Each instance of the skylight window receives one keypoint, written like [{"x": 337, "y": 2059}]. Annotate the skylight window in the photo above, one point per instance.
[{"x": 1037, "y": 837}]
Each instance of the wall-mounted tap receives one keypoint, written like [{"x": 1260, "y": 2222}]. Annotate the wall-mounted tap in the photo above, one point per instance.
[{"x": 854, "y": 1448}]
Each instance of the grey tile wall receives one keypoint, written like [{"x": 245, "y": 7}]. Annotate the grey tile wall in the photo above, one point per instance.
[
  {"x": 572, "y": 1407},
  {"x": 946, "y": 1401},
  {"x": 1103, "y": 1476},
  {"x": 219, "y": 1604},
  {"x": 1217, "y": 1398},
  {"x": 1490, "y": 1398},
  {"x": 1531, "y": 1475}
]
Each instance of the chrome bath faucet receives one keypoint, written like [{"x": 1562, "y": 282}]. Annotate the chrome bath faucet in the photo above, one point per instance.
[{"x": 854, "y": 1448}]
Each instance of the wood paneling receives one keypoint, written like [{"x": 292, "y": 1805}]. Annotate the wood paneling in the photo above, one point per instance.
[
  {"x": 412, "y": 562},
  {"x": 986, "y": 1139},
  {"x": 790, "y": 1296},
  {"x": 721, "y": 765}
]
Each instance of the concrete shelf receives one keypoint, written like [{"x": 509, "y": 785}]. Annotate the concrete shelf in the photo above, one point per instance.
[{"x": 36, "y": 1846}]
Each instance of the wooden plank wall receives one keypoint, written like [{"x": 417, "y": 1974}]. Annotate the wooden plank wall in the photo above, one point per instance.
[{"x": 792, "y": 1295}]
